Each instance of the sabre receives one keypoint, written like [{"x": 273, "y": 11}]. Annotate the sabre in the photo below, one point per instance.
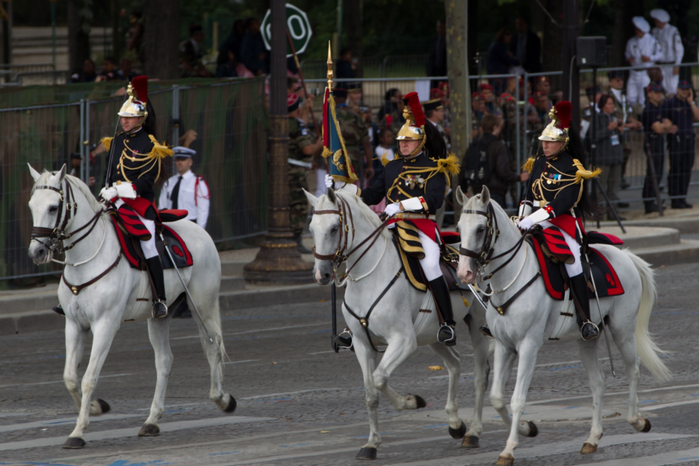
[
  {"x": 478, "y": 297},
  {"x": 186, "y": 290},
  {"x": 599, "y": 311}
]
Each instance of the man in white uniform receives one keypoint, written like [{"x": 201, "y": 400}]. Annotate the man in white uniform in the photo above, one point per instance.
[
  {"x": 670, "y": 41},
  {"x": 642, "y": 51},
  {"x": 186, "y": 190}
]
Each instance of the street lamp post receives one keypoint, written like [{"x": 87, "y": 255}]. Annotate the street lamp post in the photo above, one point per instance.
[{"x": 278, "y": 262}]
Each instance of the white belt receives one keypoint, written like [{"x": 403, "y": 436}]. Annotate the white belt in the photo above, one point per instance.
[
  {"x": 539, "y": 203},
  {"x": 407, "y": 216}
]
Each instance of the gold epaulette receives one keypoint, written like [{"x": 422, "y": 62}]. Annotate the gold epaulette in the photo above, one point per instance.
[
  {"x": 159, "y": 151},
  {"x": 449, "y": 165},
  {"x": 385, "y": 161},
  {"x": 106, "y": 142},
  {"x": 528, "y": 165},
  {"x": 583, "y": 174}
]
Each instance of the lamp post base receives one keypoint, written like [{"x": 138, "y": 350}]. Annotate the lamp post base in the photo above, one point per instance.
[{"x": 278, "y": 263}]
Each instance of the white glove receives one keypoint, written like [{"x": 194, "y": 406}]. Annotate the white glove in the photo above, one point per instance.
[
  {"x": 525, "y": 224},
  {"x": 108, "y": 193},
  {"x": 392, "y": 209},
  {"x": 126, "y": 191},
  {"x": 329, "y": 182}
]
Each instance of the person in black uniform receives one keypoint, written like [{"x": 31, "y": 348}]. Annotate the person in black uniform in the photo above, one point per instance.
[
  {"x": 655, "y": 125},
  {"x": 556, "y": 199},
  {"x": 136, "y": 158},
  {"x": 682, "y": 111},
  {"x": 414, "y": 185}
]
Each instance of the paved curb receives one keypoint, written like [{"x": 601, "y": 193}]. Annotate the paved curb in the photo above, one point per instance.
[{"x": 683, "y": 225}]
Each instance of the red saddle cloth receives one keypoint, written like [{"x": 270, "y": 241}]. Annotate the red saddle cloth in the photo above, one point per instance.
[
  {"x": 130, "y": 230},
  {"x": 606, "y": 278}
]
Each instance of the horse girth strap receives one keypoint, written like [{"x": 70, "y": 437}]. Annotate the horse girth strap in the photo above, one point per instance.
[
  {"x": 364, "y": 321},
  {"x": 76, "y": 289}
]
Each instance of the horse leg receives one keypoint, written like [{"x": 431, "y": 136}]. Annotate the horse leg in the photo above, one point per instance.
[
  {"x": 367, "y": 361},
  {"x": 159, "y": 336},
  {"x": 103, "y": 333},
  {"x": 481, "y": 368},
  {"x": 525, "y": 369},
  {"x": 627, "y": 347},
  {"x": 397, "y": 351},
  {"x": 502, "y": 367},
  {"x": 588, "y": 355},
  {"x": 215, "y": 353},
  {"x": 452, "y": 361},
  {"x": 75, "y": 343}
]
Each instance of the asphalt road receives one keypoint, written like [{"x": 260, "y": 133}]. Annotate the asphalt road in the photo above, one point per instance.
[{"x": 301, "y": 404}]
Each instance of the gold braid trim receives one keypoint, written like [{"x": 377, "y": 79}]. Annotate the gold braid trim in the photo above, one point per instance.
[
  {"x": 351, "y": 176},
  {"x": 159, "y": 151},
  {"x": 106, "y": 142},
  {"x": 528, "y": 165},
  {"x": 584, "y": 174}
]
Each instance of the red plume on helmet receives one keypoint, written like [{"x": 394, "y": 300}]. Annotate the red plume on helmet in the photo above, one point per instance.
[
  {"x": 140, "y": 87},
  {"x": 564, "y": 111},
  {"x": 412, "y": 100}
]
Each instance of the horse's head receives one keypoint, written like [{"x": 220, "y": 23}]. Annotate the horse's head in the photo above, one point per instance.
[
  {"x": 326, "y": 229},
  {"x": 46, "y": 205},
  {"x": 474, "y": 224}
]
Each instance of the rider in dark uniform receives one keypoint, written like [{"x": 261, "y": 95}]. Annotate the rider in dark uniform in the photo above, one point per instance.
[
  {"x": 414, "y": 185},
  {"x": 136, "y": 158},
  {"x": 556, "y": 199}
]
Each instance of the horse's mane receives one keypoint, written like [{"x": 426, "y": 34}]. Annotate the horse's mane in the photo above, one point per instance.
[
  {"x": 357, "y": 202},
  {"x": 74, "y": 182}
]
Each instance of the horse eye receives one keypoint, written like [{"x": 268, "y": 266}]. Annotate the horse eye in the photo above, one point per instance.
[
  {"x": 480, "y": 229},
  {"x": 53, "y": 209},
  {"x": 334, "y": 229}
]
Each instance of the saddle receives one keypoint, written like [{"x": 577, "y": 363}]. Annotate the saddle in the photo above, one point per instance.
[
  {"x": 130, "y": 231},
  {"x": 552, "y": 265}
]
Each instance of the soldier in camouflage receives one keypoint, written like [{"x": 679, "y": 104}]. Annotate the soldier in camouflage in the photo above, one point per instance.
[
  {"x": 301, "y": 150},
  {"x": 624, "y": 112},
  {"x": 355, "y": 134}
]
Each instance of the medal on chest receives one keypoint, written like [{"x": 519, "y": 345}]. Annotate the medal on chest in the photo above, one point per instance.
[
  {"x": 414, "y": 180},
  {"x": 552, "y": 178}
]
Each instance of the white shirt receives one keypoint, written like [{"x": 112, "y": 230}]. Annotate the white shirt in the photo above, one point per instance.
[
  {"x": 646, "y": 45},
  {"x": 671, "y": 43},
  {"x": 196, "y": 204}
]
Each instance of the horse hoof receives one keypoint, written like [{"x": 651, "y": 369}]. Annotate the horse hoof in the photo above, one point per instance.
[
  {"x": 74, "y": 443},
  {"x": 470, "y": 441},
  {"x": 419, "y": 401},
  {"x": 588, "y": 448},
  {"x": 366, "y": 453},
  {"x": 149, "y": 430},
  {"x": 232, "y": 404},
  {"x": 458, "y": 433},
  {"x": 646, "y": 426},
  {"x": 508, "y": 460},
  {"x": 104, "y": 406},
  {"x": 533, "y": 430}
]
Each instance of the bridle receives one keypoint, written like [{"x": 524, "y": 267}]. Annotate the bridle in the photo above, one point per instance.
[
  {"x": 346, "y": 225},
  {"x": 67, "y": 209}
]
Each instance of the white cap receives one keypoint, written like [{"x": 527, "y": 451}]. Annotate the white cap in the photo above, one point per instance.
[
  {"x": 660, "y": 14},
  {"x": 641, "y": 23},
  {"x": 181, "y": 151}
]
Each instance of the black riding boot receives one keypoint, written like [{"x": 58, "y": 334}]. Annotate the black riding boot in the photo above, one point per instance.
[
  {"x": 578, "y": 285},
  {"x": 155, "y": 268},
  {"x": 440, "y": 291}
]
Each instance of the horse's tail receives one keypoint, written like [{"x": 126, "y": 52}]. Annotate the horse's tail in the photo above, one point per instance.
[{"x": 646, "y": 348}]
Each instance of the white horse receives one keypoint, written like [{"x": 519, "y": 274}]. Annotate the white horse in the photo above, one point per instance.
[
  {"x": 533, "y": 316},
  {"x": 389, "y": 309},
  {"x": 68, "y": 217}
]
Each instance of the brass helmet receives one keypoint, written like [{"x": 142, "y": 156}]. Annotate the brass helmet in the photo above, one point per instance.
[
  {"x": 135, "y": 105},
  {"x": 414, "y": 127},
  {"x": 557, "y": 130}
]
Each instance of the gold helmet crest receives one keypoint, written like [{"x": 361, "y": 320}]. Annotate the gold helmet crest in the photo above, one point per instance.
[{"x": 135, "y": 105}]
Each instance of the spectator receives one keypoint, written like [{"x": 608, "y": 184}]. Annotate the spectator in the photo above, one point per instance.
[
  {"x": 487, "y": 162},
  {"x": 538, "y": 112},
  {"x": 384, "y": 151},
  {"x": 134, "y": 36},
  {"x": 526, "y": 47},
  {"x": 185, "y": 190},
  {"x": 355, "y": 97},
  {"x": 392, "y": 107},
  {"x": 434, "y": 112},
  {"x": 344, "y": 68},
  {"x": 191, "y": 53},
  {"x": 124, "y": 72},
  {"x": 228, "y": 69},
  {"x": 642, "y": 51},
  {"x": 232, "y": 43},
  {"x": 253, "y": 52},
  {"x": 477, "y": 109},
  {"x": 671, "y": 44},
  {"x": 593, "y": 94},
  {"x": 682, "y": 111},
  {"x": 655, "y": 126},
  {"x": 437, "y": 61},
  {"x": 625, "y": 113},
  {"x": 355, "y": 134},
  {"x": 87, "y": 75},
  {"x": 543, "y": 84},
  {"x": 488, "y": 97},
  {"x": 108, "y": 70},
  {"x": 499, "y": 59},
  {"x": 609, "y": 153}
]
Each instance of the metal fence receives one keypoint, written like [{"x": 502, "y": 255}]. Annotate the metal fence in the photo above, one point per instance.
[
  {"x": 231, "y": 122},
  {"x": 9, "y": 72}
]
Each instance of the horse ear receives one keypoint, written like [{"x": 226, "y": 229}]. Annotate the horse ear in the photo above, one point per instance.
[
  {"x": 35, "y": 174},
  {"x": 485, "y": 195},
  {"x": 460, "y": 197},
  {"x": 311, "y": 198},
  {"x": 58, "y": 177},
  {"x": 331, "y": 195}
]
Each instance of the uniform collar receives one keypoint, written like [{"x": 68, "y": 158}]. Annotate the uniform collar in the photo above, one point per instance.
[
  {"x": 412, "y": 159},
  {"x": 189, "y": 174},
  {"x": 133, "y": 132}
]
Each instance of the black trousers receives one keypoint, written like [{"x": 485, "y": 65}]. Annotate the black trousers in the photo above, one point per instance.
[
  {"x": 655, "y": 152},
  {"x": 682, "y": 151}
]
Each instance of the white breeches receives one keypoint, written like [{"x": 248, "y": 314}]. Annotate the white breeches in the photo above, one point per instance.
[
  {"x": 575, "y": 268},
  {"x": 148, "y": 247},
  {"x": 638, "y": 81},
  {"x": 670, "y": 80},
  {"x": 430, "y": 263}
]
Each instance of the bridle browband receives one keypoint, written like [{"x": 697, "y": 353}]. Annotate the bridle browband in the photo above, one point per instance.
[{"x": 339, "y": 256}]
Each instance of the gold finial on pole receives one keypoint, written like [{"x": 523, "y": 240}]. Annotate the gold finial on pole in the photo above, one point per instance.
[{"x": 330, "y": 68}]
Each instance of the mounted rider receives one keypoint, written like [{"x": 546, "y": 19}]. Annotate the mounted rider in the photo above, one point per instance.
[
  {"x": 134, "y": 165},
  {"x": 414, "y": 186},
  {"x": 557, "y": 200}
]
